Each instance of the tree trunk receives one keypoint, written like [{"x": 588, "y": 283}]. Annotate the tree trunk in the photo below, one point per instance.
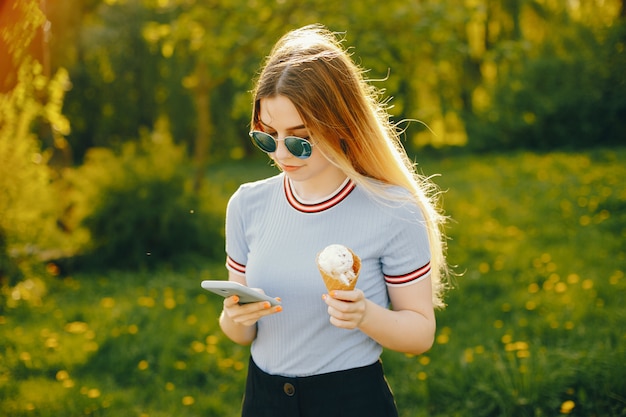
[{"x": 204, "y": 127}]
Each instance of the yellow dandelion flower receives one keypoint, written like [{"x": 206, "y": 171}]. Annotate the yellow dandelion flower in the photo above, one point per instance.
[
  {"x": 180, "y": 365},
  {"x": 424, "y": 360},
  {"x": 521, "y": 345},
  {"x": 212, "y": 339},
  {"x": 573, "y": 279},
  {"x": 560, "y": 287},
  {"x": 442, "y": 339},
  {"x": 614, "y": 279},
  {"x": 587, "y": 284},
  {"x": 188, "y": 400},
  {"x": 93, "y": 393},
  {"x": 567, "y": 406},
  {"x": 533, "y": 288},
  {"x": 169, "y": 303},
  {"x": 76, "y": 327},
  {"x": 226, "y": 363},
  {"x": 107, "y": 302},
  {"x": 133, "y": 329},
  {"x": 146, "y": 301},
  {"x": 62, "y": 376},
  {"x": 169, "y": 386},
  {"x": 143, "y": 365},
  {"x": 52, "y": 343},
  {"x": 197, "y": 346},
  {"x": 422, "y": 376},
  {"x": 507, "y": 338},
  {"x": 530, "y": 305}
]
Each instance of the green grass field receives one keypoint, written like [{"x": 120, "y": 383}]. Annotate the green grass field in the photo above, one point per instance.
[{"x": 535, "y": 325}]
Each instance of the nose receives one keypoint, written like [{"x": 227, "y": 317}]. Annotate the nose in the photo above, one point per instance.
[{"x": 281, "y": 151}]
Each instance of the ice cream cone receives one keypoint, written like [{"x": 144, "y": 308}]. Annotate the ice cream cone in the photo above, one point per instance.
[{"x": 334, "y": 283}]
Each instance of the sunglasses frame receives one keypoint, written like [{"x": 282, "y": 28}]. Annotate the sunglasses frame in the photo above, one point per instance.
[{"x": 305, "y": 144}]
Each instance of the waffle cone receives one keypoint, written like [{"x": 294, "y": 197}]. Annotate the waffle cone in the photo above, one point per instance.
[{"x": 333, "y": 283}]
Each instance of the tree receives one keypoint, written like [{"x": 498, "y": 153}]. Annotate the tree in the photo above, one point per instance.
[{"x": 28, "y": 202}]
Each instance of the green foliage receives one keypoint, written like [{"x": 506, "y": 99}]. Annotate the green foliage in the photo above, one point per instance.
[
  {"x": 489, "y": 75},
  {"x": 139, "y": 208},
  {"x": 560, "y": 100},
  {"x": 533, "y": 328},
  {"x": 531, "y": 323},
  {"x": 29, "y": 203}
]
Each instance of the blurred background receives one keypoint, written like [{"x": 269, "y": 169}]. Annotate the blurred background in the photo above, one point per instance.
[{"x": 123, "y": 131}]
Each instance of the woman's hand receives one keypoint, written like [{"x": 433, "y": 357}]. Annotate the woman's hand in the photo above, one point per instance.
[
  {"x": 247, "y": 314},
  {"x": 346, "y": 308}
]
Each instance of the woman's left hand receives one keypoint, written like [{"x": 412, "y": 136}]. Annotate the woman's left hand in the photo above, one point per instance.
[{"x": 346, "y": 308}]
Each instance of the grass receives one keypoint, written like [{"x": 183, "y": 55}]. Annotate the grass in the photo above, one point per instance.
[{"x": 534, "y": 326}]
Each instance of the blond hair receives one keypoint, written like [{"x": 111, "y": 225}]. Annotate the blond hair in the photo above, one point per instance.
[{"x": 349, "y": 124}]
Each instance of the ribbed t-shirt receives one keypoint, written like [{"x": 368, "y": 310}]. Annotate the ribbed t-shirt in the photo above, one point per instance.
[{"x": 273, "y": 237}]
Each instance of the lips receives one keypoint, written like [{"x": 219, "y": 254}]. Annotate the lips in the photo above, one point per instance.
[{"x": 289, "y": 168}]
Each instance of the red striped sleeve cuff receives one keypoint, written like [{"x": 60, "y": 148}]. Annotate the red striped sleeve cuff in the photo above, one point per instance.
[
  {"x": 234, "y": 266},
  {"x": 410, "y": 278}
]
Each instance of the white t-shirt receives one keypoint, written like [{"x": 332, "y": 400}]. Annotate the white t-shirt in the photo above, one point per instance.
[{"x": 273, "y": 237}]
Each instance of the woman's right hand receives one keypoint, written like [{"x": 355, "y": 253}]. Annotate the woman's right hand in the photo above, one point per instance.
[{"x": 247, "y": 314}]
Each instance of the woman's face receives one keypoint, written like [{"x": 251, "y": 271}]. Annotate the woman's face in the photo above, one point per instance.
[{"x": 279, "y": 117}]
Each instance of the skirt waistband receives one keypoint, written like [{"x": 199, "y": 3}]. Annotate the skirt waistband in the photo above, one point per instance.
[{"x": 349, "y": 374}]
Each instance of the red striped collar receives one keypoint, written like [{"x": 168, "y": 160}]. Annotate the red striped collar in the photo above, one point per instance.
[{"x": 330, "y": 202}]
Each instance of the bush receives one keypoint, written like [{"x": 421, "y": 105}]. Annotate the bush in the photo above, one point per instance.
[
  {"x": 559, "y": 98},
  {"x": 139, "y": 209},
  {"x": 29, "y": 202}
]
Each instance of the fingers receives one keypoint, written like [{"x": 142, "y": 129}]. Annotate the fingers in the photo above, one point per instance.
[
  {"x": 346, "y": 308},
  {"x": 248, "y": 314}
]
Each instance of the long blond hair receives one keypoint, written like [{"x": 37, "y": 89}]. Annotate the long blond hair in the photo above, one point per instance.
[{"x": 350, "y": 125}]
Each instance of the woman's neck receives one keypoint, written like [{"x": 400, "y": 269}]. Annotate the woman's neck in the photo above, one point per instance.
[{"x": 320, "y": 186}]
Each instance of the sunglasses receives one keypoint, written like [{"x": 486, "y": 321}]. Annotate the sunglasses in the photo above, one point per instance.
[{"x": 299, "y": 147}]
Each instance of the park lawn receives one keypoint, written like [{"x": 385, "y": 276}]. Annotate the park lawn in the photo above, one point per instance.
[{"x": 534, "y": 325}]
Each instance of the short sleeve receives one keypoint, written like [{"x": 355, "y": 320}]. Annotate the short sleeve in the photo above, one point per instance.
[
  {"x": 406, "y": 254},
  {"x": 236, "y": 244}
]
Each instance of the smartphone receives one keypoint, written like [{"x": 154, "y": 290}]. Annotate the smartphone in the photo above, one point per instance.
[{"x": 246, "y": 294}]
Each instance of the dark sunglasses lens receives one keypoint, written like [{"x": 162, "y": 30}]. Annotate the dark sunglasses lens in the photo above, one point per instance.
[
  {"x": 300, "y": 148},
  {"x": 264, "y": 141}
]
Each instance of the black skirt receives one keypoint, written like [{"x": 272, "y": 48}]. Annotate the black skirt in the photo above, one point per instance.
[{"x": 358, "y": 392}]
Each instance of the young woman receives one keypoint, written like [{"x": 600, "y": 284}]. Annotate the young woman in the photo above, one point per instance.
[{"x": 344, "y": 179}]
